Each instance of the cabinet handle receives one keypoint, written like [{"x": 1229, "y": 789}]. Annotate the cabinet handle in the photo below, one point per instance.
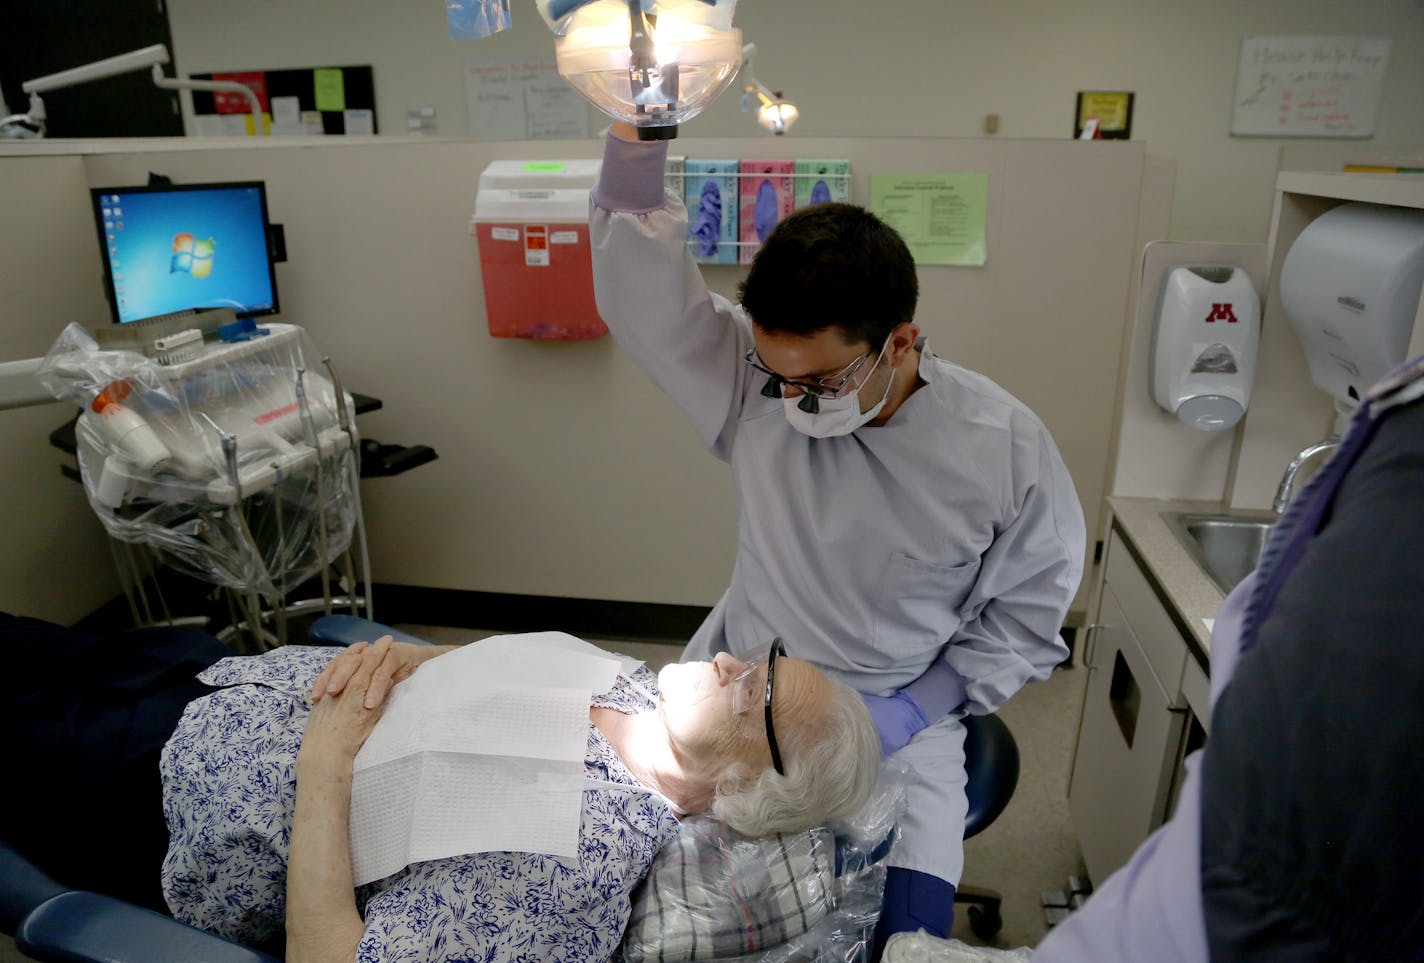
[{"x": 1089, "y": 638}]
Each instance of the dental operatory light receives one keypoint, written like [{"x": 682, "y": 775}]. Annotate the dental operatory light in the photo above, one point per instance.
[
  {"x": 651, "y": 63},
  {"x": 32, "y": 123},
  {"x": 773, "y": 112}
]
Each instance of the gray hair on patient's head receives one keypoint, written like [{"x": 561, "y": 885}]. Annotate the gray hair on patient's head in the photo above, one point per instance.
[{"x": 831, "y": 770}]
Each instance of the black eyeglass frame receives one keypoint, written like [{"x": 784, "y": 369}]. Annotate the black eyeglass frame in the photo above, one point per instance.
[
  {"x": 811, "y": 391},
  {"x": 777, "y": 649}
]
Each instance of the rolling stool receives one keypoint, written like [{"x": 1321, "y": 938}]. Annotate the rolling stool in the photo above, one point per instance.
[{"x": 991, "y": 761}]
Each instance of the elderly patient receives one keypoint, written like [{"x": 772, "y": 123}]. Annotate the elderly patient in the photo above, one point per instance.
[{"x": 253, "y": 765}]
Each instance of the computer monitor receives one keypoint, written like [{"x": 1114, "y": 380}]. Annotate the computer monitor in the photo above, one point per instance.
[{"x": 173, "y": 247}]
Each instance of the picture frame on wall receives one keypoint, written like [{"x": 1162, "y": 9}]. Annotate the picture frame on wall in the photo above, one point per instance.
[{"x": 1107, "y": 113}]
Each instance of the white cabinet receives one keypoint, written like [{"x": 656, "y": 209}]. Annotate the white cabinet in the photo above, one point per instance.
[{"x": 1135, "y": 721}]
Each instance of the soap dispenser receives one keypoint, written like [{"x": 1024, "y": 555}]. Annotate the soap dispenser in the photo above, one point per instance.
[{"x": 1204, "y": 344}]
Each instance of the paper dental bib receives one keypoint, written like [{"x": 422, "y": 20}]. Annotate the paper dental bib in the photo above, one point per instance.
[{"x": 480, "y": 750}]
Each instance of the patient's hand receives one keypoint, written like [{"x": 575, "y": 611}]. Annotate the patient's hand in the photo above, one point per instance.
[
  {"x": 401, "y": 659},
  {"x": 338, "y": 727}
]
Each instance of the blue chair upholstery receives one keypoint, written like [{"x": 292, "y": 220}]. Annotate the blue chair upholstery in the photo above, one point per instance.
[
  {"x": 350, "y": 629},
  {"x": 55, "y": 924},
  {"x": 23, "y": 886}
]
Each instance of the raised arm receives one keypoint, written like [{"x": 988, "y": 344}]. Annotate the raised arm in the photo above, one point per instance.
[{"x": 652, "y": 296}]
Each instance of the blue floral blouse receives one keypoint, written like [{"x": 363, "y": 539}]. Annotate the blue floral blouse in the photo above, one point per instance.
[{"x": 229, "y": 788}]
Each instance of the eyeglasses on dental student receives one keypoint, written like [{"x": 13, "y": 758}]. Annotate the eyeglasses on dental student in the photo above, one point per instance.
[{"x": 811, "y": 391}]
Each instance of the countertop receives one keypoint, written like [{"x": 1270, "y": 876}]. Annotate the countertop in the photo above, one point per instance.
[{"x": 1183, "y": 587}]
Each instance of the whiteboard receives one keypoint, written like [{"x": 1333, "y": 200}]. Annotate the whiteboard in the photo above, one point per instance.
[
  {"x": 1309, "y": 86},
  {"x": 522, "y": 101}
]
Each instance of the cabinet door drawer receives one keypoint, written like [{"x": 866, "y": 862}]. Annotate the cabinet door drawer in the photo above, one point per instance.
[
  {"x": 1128, "y": 741},
  {"x": 1196, "y": 691},
  {"x": 1162, "y": 643}
]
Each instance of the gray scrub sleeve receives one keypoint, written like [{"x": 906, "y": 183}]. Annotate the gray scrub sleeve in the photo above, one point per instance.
[
  {"x": 652, "y": 296},
  {"x": 1027, "y": 579}
]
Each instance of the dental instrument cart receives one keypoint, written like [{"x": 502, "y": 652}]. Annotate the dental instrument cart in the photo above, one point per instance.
[{"x": 225, "y": 451}]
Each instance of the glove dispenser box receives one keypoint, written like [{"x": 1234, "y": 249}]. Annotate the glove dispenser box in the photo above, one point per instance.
[{"x": 531, "y": 225}]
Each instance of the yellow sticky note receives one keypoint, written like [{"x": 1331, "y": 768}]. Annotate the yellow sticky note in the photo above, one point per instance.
[{"x": 330, "y": 89}]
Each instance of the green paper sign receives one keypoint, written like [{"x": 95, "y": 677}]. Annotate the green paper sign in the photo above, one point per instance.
[
  {"x": 544, "y": 167},
  {"x": 330, "y": 89},
  {"x": 940, "y": 216}
]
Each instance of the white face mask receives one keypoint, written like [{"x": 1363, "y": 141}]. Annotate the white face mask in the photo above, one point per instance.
[{"x": 840, "y": 415}]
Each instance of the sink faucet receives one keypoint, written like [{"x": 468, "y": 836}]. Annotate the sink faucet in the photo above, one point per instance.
[{"x": 1284, "y": 493}]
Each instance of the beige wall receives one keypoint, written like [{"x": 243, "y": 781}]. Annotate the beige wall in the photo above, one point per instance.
[
  {"x": 56, "y": 561},
  {"x": 562, "y": 470},
  {"x": 381, "y": 267},
  {"x": 893, "y": 68}
]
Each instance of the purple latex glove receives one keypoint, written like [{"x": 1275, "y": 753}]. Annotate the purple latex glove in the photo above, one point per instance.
[
  {"x": 899, "y": 716},
  {"x": 897, "y": 719}
]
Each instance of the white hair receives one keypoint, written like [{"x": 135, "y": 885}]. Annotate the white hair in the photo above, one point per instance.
[{"x": 831, "y": 769}]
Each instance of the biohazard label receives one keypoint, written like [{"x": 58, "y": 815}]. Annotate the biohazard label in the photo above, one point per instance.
[
  {"x": 536, "y": 245},
  {"x": 504, "y": 233}
]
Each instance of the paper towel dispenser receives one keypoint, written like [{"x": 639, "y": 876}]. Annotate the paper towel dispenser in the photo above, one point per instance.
[
  {"x": 1204, "y": 345},
  {"x": 1350, "y": 288}
]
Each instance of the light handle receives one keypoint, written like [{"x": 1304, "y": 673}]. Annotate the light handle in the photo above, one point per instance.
[{"x": 99, "y": 69}]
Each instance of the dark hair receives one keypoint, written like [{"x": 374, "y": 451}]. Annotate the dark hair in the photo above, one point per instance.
[{"x": 832, "y": 266}]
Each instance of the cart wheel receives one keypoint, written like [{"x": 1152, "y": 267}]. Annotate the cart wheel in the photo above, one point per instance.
[{"x": 985, "y": 923}]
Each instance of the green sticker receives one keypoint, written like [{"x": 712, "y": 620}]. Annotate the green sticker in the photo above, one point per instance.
[
  {"x": 330, "y": 88},
  {"x": 544, "y": 167}
]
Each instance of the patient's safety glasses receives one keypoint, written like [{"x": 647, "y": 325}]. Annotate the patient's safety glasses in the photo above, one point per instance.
[
  {"x": 746, "y": 693},
  {"x": 811, "y": 391}
]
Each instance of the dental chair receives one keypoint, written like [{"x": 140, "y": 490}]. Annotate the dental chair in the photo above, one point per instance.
[{"x": 54, "y": 922}]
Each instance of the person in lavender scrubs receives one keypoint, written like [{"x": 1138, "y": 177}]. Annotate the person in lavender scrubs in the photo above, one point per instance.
[{"x": 1297, "y": 835}]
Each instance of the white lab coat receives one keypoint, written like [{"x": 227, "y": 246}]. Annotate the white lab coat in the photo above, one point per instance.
[{"x": 953, "y": 531}]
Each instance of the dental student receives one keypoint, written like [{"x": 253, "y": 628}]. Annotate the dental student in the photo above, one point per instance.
[{"x": 909, "y": 522}]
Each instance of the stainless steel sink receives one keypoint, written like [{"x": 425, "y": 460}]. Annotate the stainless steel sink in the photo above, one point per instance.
[{"x": 1225, "y": 546}]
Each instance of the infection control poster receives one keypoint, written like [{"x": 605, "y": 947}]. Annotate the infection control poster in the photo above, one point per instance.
[{"x": 940, "y": 216}]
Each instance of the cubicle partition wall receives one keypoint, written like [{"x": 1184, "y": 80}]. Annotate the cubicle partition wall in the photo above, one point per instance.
[
  {"x": 563, "y": 472},
  {"x": 56, "y": 562}
]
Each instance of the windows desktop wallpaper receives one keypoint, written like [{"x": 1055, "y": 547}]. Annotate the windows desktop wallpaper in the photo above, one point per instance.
[{"x": 172, "y": 250}]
